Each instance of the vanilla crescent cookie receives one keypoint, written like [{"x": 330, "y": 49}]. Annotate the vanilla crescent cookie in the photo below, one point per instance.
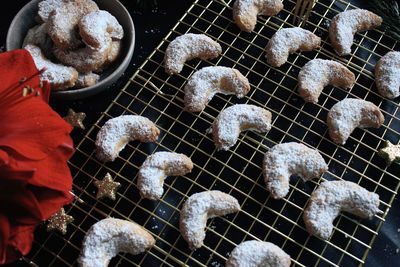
[
  {"x": 117, "y": 132},
  {"x": 63, "y": 22},
  {"x": 245, "y": 12},
  {"x": 108, "y": 237},
  {"x": 345, "y": 24},
  {"x": 332, "y": 197},
  {"x": 198, "y": 208},
  {"x": 253, "y": 253},
  {"x": 350, "y": 113},
  {"x": 87, "y": 79},
  {"x": 59, "y": 76},
  {"x": 187, "y": 47},
  {"x": 287, "y": 41},
  {"x": 387, "y": 75},
  {"x": 99, "y": 27},
  {"x": 208, "y": 81},
  {"x": 318, "y": 73},
  {"x": 156, "y": 168},
  {"x": 38, "y": 36},
  {"x": 286, "y": 159},
  {"x": 45, "y": 8},
  {"x": 237, "y": 118}
]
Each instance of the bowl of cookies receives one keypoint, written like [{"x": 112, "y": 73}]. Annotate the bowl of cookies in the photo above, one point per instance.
[{"x": 84, "y": 45}]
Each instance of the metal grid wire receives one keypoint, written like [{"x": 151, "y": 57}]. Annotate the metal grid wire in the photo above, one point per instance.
[{"x": 158, "y": 96}]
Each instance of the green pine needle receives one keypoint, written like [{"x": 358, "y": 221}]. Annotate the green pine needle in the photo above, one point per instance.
[{"x": 389, "y": 11}]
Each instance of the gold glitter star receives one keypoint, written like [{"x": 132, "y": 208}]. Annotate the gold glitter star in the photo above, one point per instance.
[
  {"x": 75, "y": 119},
  {"x": 107, "y": 187},
  {"x": 390, "y": 152},
  {"x": 59, "y": 221}
]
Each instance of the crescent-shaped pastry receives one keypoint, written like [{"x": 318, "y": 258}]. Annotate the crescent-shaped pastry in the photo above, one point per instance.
[
  {"x": 318, "y": 73},
  {"x": 287, "y": 41},
  {"x": 187, "y": 47},
  {"x": 106, "y": 238},
  {"x": 245, "y": 12},
  {"x": 198, "y": 208},
  {"x": 117, "y": 132},
  {"x": 330, "y": 199},
  {"x": 237, "y": 118},
  {"x": 345, "y": 24},
  {"x": 286, "y": 159},
  {"x": 255, "y": 253},
  {"x": 387, "y": 75},
  {"x": 156, "y": 168},
  {"x": 208, "y": 81},
  {"x": 350, "y": 113}
]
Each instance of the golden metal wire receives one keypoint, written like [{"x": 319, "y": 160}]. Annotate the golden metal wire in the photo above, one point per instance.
[{"x": 152, "y": 93}]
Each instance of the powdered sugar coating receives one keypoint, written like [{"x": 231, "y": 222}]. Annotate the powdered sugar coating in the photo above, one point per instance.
[
  {"x": 318, "y": 73},
  {"x": 331, "y": 198},
  {"x": 106, "y": 238},
  {"x": 156, "y": 168},
  {"x": 117, "y": 132},
  {"x": 255, "y": 253},
  {"x": 345, "y": 24},
  {"x": 387, "y": 75},
  {"x": 245, "y": 12},
  {"x": 286, "y": 159},
  {"x": 45, "y": 7},
  {"x": 99, "y": 28},
  {"x": 187, "y": 47},
  {"x": 198, "y": 208},
  {"x": 234, "y": 119},
  {"x": 87, "y": 79},
  {"x": 289, "y": 40},
  {"x": 208, "y": 81},
  {"x": 37, "y": 35},
  {"x": 59, "y": 76},
  {"x": 350, "y": 113}
]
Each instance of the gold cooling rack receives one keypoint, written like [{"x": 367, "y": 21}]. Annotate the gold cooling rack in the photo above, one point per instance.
[{"x": 154, "y": 94}]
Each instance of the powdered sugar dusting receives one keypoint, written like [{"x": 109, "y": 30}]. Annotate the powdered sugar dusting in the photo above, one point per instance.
[
  {"x": 106, "y": 238},
  {"x": 198, "y": 208},
  {"x": 234, "y": 119},
  {"x": 286, "y": 159},
  {"x": 387, "y": 75},
  {"x": 208, "y": 81},
  {"x": 258, "y": 253},
  {"x": 332, "y": 197}
]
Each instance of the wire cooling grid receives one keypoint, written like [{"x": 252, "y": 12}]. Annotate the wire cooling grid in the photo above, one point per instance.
[{"x": 158, "y": 96}]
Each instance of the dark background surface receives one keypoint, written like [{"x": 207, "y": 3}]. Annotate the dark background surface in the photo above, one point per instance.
[{"x": 151, "y": 25}]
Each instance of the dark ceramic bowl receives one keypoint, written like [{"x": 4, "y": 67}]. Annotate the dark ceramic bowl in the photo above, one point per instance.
[{"x": 25, "y": 19}]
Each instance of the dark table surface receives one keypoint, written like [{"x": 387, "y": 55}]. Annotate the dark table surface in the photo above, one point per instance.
[{"x": 151, "y": 25}]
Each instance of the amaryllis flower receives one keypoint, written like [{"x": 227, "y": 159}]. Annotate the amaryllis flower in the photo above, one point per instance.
[{"x": 35, "y": 145}]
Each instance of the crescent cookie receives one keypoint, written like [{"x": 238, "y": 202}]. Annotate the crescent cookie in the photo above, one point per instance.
[
  {"x": 330, "y": 199},
  {"x": 187, "y": 47},
  {"x": 253, "y": 253},
  {"x": 59, "y": 76},
  {"x": 117, "y": 132},
  {"x": 350, "y": 113},
  {"x": 198, "y": 208},
  {"x": 237, "y": 118},
  {"x": 63, "y": 22},
  {"x": 345, "y": 24},
  {"x": 287, "y": 41},
  {"x": 98, "y": 28},
  {"x": 318, "y": 73},
  {"x": 106, "y": 238},
  {"x": 45, "y": 8},
  {"x": 38, "y": 36},
  {"x": 387, "y": 75},
  {"x": 87, "y": 79},
  {"x": 156, "y": 168},
  {"x": 208, "y": 81},
  {"x": 286, "y": 159},
  {"x": 245, "y": 12}
]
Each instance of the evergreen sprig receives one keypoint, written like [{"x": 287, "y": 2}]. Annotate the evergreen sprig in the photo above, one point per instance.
[{"x": 389, "y": 11}]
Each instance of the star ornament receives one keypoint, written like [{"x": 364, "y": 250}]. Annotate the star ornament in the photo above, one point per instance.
[
  {"x": 75, "y": 119},
  {"x": 390, "y": 152},
  {"x": 107, "y": 187},
  {"x": 59, "y": 221}
]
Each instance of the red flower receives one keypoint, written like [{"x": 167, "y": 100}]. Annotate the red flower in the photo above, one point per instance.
[{"x": 35, "y": 146}]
